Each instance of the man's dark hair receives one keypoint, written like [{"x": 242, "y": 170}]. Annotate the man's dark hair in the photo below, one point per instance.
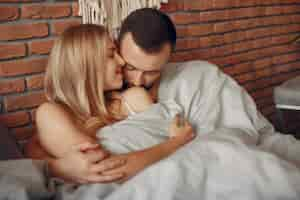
[{"x": 150, "y": 29}]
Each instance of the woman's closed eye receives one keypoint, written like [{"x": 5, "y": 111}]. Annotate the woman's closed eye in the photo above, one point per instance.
[{"x": 130, "y": 67}]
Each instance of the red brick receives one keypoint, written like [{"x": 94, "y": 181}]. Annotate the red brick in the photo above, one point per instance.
[
  {"x": 75, "y": 9},
  {"x": 185, "y": 18},
  {"x": 14, "y": 1},
  {"x": 172, "y": 5},
  {"x": 45, "y": 11},
  {"x": 15, "y": 119},
  {"x": 291, "y": 9},
  {"x": 203, "y": 42},
  {"x": 30, "y": 100},
  {"x": 12, "y": 50},
  {"x": 263, "y": 73},
  {"x": 60, "y": 26},
  {"x": 23, "y": 31},
  {"x": 9, "y": 13},
  {"x": 223, "y": 3},
  {"x": 20, "y": 67},
  {"x": 265, "y": 102},
  {"x": 33, "y": 115},
  {"x": 263, "y": 93},
  {"x": 246, "y": 12},
  {"x": 198, "y": 5},
  {"x": 225, "y": 26},
  {"x": 40, "y": 47},
  {"x": 245, "y": 77},
  {"x": 262, "y": 63},
  {"x": 35, "y": 82},
  {"x": 182, "y": 44},
  {"x": 267, "y": 31},
  {"x": 286, "y": 58},
  {"x": 24, "y": 133},
  {"x": 181, "y": 56},
  {"x": 258, "y": 84},
  {"x": 12, "y": 86},
  {"x": 213, "y": 15},
  {"x": 274, "y": 10},
  {"x": 221, "y": 15},
  {"x": 201, "y": 54},
  {"x": 222, "y": 50},
  {"x": 280, "y": 69},
  {"x": 239, "y": 68},
  {"x": 252, "y": 44},
  {"x": 181, "y": 31},
  {"x": 228, "y": 60},
  {"x": 268, "y": 110},
  {"x": 243, "y": 3},
  {"x": 234, "y": 37},
  {"x": 198, "y": 30},
  {"x": 283, "y": 38}
]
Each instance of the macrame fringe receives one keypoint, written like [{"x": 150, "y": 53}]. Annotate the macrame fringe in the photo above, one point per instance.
[{"x": 110, "y": 13}]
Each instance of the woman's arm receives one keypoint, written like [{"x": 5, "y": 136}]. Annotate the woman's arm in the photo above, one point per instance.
[
  {"x": 57, "y": 131},
  {"x": 139, "y": 160},
  {"x": 71, "y": 155},
  {"x": 78, "y": 165}
]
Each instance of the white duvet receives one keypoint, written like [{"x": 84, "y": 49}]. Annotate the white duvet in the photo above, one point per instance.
[{"x": 236, "y": 154}]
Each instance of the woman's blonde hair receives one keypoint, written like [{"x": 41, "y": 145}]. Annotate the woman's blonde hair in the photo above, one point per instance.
[{"x": 75, "y": 74}]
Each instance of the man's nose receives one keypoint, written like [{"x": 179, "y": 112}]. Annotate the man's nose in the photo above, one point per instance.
[
  {"x": 120, "y": 60},
  {"x": 139, "y": 79}
]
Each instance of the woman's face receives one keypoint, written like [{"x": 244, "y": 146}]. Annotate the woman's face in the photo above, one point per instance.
[{"x": 113, "y": 77}]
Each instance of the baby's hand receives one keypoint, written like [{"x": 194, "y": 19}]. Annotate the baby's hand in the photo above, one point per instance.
[{"x": 181, "y": 129}]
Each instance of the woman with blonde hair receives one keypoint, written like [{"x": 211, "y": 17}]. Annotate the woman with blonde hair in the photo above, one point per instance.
[{"x": 84, "y": 68}]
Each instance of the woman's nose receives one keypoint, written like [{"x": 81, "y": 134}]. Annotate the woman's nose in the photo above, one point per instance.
[{"x": 139, "y": 79}]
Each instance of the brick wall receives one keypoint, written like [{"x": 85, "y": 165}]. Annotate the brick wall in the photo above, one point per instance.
[
  {"x": 248, "y": 39},
  {"x": 27, "y": 31}
]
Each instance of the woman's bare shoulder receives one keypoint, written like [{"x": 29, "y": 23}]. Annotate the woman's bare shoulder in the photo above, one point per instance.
[{"x": 51, "y": 111}]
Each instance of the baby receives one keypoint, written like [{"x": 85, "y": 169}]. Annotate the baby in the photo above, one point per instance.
[
  {"x": 137, "y": 99},
  {"x": 131, "y": 101}
]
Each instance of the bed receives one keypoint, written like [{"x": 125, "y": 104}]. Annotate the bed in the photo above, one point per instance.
[{"x": 237, "y": 154}]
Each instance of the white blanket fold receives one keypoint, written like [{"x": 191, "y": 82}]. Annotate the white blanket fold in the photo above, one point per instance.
[{"x": 236, "y": 154}]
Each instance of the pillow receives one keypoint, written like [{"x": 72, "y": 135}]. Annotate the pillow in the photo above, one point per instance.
[{"x": 8, "y": 146}]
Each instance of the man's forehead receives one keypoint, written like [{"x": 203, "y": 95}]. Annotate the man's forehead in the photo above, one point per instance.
[
  {"x": 143, "y": 66},
  {"x": 137, "y": 58}
]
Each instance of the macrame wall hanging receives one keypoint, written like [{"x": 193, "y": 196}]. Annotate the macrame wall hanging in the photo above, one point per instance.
[{"x": 111, "y": 12}]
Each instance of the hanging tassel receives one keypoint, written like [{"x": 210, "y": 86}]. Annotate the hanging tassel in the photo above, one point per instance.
[{"x": 111, "y": 13}]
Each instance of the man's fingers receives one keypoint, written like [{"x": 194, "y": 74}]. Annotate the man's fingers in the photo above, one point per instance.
[
  {"x": 85, "y": 146},
  {"x": 95, "y": 156},
  {"x": 107, "y": 165},
  {"x": 105, "y": 178}
]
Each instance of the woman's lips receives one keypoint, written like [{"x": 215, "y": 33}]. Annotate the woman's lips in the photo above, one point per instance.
[{"x": 119, "y": 70}]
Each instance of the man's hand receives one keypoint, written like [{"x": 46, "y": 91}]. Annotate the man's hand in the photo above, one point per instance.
[
  {"x": 181, "y": 129},
  {"x": 82, "y": 165},
  {"x": 135, "y": 162}
]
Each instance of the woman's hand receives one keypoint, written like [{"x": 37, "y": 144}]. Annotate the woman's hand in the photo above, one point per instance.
[
  {"x": 181, "y": 129},
  {"x": 82, "y": 165}
]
